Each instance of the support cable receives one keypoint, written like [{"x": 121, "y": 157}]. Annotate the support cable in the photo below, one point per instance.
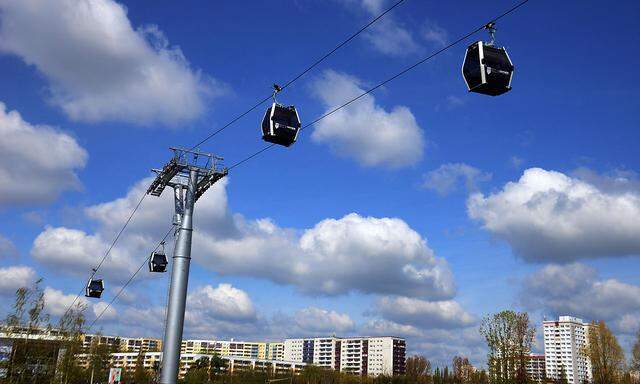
[
  {"x": 327, "y": 114},
  {"x": 259, "y": 103},
  {"x": 388, "y": 80},
  {"x": 129, "y": 281},
  {"x": 113, "y": 243},
  {"x": 304, "y": 72}
]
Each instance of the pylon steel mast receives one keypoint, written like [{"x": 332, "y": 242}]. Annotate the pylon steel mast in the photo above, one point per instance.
[{"x": 190, "y": 173}]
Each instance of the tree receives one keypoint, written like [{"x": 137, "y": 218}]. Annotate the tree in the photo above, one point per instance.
[
  {"x": 99, "y": 358},
  {"x": 70, "y": 327},
  {"x": 140, "y": 373},
  {"x": 417, "y": 367},
  {"x": 635, "y": 354},
  {"x": 607, "y": 357},
  {"x": 562, "y": 377},
  {"x": 217, "y": 365},
  {"x": 509, "y": 336},
  {"x": 31, "y": 359},
  {"x": 462, "y": 370}
]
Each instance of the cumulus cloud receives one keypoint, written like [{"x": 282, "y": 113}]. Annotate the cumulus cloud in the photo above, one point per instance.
[
  {"x": 550, "y": 216},
  {"x": 364, "y": 130},
  {"x": 105, "y": 311},
  {"x": 222, "y": 303},
  {"x": 14, "y": 277},
  {"x": 381, "y": 327},
  {"x": 7, "y": 249},
  {"x": 387, "y": 35},
  {"x": 57, "y": 302},
  {"x": 223, "y": 311},
  {"x": 575, "y": 289},
  {"x": 336, "y": 256},
  {"x": 37, "y": 162},
  {"x": 75, "y": 251},
  {"x": 440, "y": 345},
  {"x": 435, "y": 34},
  {"x": 447, "y": 177},
  {"x": 99, "y": 67},
  {"x": 322, "y": 321},
  {"x": 424, "y": 314}
]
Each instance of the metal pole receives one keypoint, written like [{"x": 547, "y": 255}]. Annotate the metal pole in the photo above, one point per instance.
[{"x": 178, "y": 289}]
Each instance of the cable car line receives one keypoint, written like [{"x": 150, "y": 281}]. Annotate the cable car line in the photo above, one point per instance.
[
  {"x": 304, "y": 72},
  {"x": 327, "y": 114},
  {"x": 113, "y": 243},
  {"x": 259, "y": 103},
  {"x": 133, "y": 276},
  {"x": 390, "y": 79}
]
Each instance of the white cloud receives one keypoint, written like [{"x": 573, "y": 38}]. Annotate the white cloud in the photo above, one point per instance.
[
  {"x": 322, "y": 321},
  {"x": 37, "y": 162},
  {"x": 336, "y": 256},
  {"x": 446, "y": 178},
  {"x": 7, "y": 249},
  {"x": 105, "y": 311},
  {"x": 211, "y": 312},
  {"x": 76, "y": 252},
  {"x": 387, "y": 35},
  {"x": 363, "y": 130},
  {"x": 221, "y": 303},
  {"x": 575, "y": 289},
  {"x": 56, "y": 302},
  {"x": 549, "y": 216},
  {"x": 424, "y": 314},
  {"x": 99, "y": 67},
  {"x": 381, "y": 327},
  {"x": 439, "y": 345},
  {"x": 14, "y": 277},
  {"x": 390, "y": 37},
  {"x": 516, "y": 162},
  {"x": 435, "y": 34}
]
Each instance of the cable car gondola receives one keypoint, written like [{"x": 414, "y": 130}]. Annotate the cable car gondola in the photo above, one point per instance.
[
  {"x": 281, "y": 123},
  {"x": 158, "y": 261},
  {"x": 487, "y": 68},
  {"x": 94, "y": 288}
]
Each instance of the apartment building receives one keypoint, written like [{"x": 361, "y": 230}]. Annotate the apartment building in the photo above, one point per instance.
[
  {"x": 249, "y": 349},
  {"x": 357, "y": 355},
  {"x": 322, "y": 352},
  {"x": 123, "y": 344},
  {"x": 536, "y": 368},
  {"x": 151, "y": 361},
  {"x": 564, "y": 344}
]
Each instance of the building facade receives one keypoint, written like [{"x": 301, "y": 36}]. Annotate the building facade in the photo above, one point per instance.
[
  {"x": 536, "y": 368},
  {"x": 364, "y": 356},
  {"x": 249, "y": 349},
  {"x": 151, "y": 361},
  {"x": 565, "y": 341},
  {"x": 123, "y": 344}
]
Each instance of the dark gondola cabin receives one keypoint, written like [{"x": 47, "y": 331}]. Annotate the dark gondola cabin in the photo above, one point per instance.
[
  {"x": 487, "y": 69},
  {"x": 158, "y": 262},
  {"x": 281, "y": 125},
  {"x": 94, "y": 288}
]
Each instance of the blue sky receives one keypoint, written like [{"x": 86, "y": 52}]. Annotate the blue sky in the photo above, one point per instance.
[{"x": 526, "y": 201}]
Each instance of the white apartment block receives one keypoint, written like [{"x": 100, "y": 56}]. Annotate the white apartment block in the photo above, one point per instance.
[
  {"x": 564, "y": 344},
  {"x": 123, "y": 344},
  {"x": 248, "y": 349},
  {"x": 151, "y": 361},
  {"x": 536, "y": 368},
  {"x": 357, "y": 355}
]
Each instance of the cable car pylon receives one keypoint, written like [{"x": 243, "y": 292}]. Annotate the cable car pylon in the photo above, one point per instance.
[{"x": 190, "y": 173}]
